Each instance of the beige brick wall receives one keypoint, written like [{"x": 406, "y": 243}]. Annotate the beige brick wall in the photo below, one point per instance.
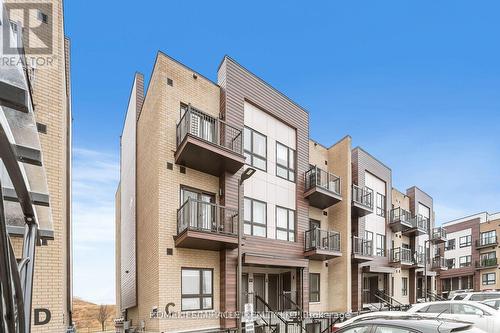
[
  {"x": 50, "y": 288},
  {"x": 483, "y": 227}
]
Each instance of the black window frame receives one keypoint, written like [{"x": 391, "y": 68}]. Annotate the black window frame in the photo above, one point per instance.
[
  {"x": 287, "y": 230},
  {"x": 318, "y": 292},
  {"x": 453, "y": 262},
  {"x": 467, "y": 243},
  {"x": 467, "y": 263},
  {"x": 494, "y": 281},
  {"x": 380, "y": 210},
  {"x": 287, "y": 167},
  {"x": 250, "y": 152},
  {"x": 251, "y": 222},
  {"x": 382, "y": 251},
  {"x": 451, "y": 244},
  {"x": 201, "y": 295}
]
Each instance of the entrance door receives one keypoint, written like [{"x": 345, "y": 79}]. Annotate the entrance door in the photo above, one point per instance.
[
  {"x": 245, "y": 297},
  {"x": 273, "y": 291},
  {"x": 201, "y": 213},
  {"x": 420, "y": 288},
  {"x": 259, "y": 289},
  {"x": 373, "y": 281},
  {"x": 286, "y": 290}
]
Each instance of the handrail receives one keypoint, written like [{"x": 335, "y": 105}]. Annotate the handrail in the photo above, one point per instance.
[
  {"x": 399, "y": 214},
  {"x": 438, "y": 232},
  {"x": 206, "y": 216},
  {"x": 324, "y": 179},
  {"x": 321, "y": 239},
  {"x": 362, "y": 195},
  {"x": 438, "y": 262},
  {"x": 329, "y": 327},
  {"x": 258, "y": 298},
  {"x": 289, "y": 299},
  {"x": 208, "y": 128},
  {"x": 399, "y": 254},
  {"x": 487, "y": 262},
  {"x": 485, "y": 241}
]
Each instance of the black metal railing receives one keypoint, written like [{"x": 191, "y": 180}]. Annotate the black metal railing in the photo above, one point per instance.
[
  {"x": 203, "y": 126},
  {"x": 206, "y": 216},
  {"x": 486, "y": 241},
  {"x": 322, "y": 240},
  {"x": 400, "y": 215},
  {"x": 362, "y": 246},
  {"x": 362, "y": 196},
  {"x": 419, "y": 258},
  {"x": 438, "y": 262},
  {"x": 321, "y": 178},
  {"x": 420, "y": 222},
  {"x": 487, "y": 262},
  {"x": 438, "y": 233},
  {"x": 401, "y": 255}
]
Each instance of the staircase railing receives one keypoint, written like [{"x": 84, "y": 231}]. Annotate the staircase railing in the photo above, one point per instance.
[
  {"x": 271, "y": 312},
  {"x": 392, "y": 303},
  {"x": 435, "y": 297}
]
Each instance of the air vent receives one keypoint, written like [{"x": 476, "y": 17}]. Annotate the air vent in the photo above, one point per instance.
[
  {"x": 170, "y": 166},
  {"x": 170, "y": 251},
  {"x": 182, "y": 169},
  {"x": 42, "y": 128},
  {"x": 325, "y": 213},
  {"x": 170, "y": 82}
]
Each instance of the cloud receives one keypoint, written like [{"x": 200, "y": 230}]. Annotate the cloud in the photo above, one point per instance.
[{"x": 95, "y": 178}]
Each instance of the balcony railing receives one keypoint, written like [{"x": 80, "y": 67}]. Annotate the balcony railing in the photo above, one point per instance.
[
  {"x": 362, "y": 196},
  {"x": 362, "y": 246},
  {"x": 401, "y": 255},
  {"x": 210, "y": 129},
  {"x": 400, "y": 215},
  {"x": 487, "y": 262},
  {"x": 207, "y": 217},
  {"x": 317, "y": 239},
  {"x": 438, "y": 263},
  {"x": 321, "y": 178},
  {"x": 438, "y": 233},
  {"x": 486, "y": 241},
  {"x": 420, "y": 222}
]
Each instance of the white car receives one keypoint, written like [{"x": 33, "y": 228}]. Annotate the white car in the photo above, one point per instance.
[
  {"x": 494, "y": 303},
  {"x": 481, "y": 315},
  {"x": 475, "y": 296},
  {"x": 371, "y": 315}
]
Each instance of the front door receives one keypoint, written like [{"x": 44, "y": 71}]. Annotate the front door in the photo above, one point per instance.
[
  {"x": 273, "y": 291},
  {"x": 201, "y": 214},
  {"x": 286, "y": 290},
  {"x": 259, "y": 289},
  {"x": 373, "y": 280}
]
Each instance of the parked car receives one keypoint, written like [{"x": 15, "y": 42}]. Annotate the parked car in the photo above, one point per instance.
[
  {"x": 459, "y": 291},
  {"x": 371, "y": 315},
  {"x": 475, "y": 296},
  {"x": 494, "y": 303},
  {"x": 481, "y": 315},
  {"x": 407, "y": 324}
]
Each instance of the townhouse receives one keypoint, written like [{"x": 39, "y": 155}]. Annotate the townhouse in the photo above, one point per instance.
[
  {"x": 225, "y": 200},
  {"x": 471, "y": 254},
  {"x": 37, "y": 33}
]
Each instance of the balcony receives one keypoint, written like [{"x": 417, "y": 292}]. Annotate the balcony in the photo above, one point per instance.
[
  {"x": 362, "y": 200},
  {"x": 401, "y": 257},
  {"x": 487, "y": 263},
  {"x": 484, "y": 242},
  {"x": 419, "y": 259},
  {"x": 208, "y": 144},
  {"x": 438, "y": 235},
  {"x": 419, "y": 226},
  {"x": 362, "y": 249},
  {"x": 207, "y": 226},
  {"x": 438, "y": 264},
  {"x": 400, "y": 220},
  {"x": 322, "y": 188},
  {"x": 322, "y": 244}
]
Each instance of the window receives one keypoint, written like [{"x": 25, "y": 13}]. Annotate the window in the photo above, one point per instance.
[
  {"x": 314, "y": 287},
  {"x": 380, "y": 205},
  {"x": 285, "y": 162},
  {"x": 285, "y": 224},
  {"x": 489, "y": 279},
  {"x": 405, "y": 286},
  {"x": 314, "y": 224},
  {"x": 450, "y": 244},
  {"x": 358, "y": 329},
  {"x": 391, "y": 329},
  {"x": 255, "y": 217},
  {"x": 435, "y": 308},
  {"x": 380, "y": 251},
  {"x": 450, "y": 263},
  {"x": 465, "y": 261},
  {"x": 369, "y": 237},
  {"x": 255, "y": 147},
  {"x": 484, "y": 296},
  {"x": 197, "y": 289},
  {"x": 488, "y": 237},
  {"x": 200, "y": 213},
  {"x": 465, "y": 241},
  {"x": 466, "y": 309}
]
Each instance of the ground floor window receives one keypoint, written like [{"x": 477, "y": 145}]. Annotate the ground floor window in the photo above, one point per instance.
[
  {"x": 405, "y": 286},
  {"x": 489, "y": 279},
  {"x": 197, "y": 289},
  {"x": 314, "y": 287}
]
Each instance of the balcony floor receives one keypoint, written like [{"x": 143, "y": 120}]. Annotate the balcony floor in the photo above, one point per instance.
[
  {"x": 321, "y": 254},
  {"x": 203, "y": 240},
  {"x": 321, "y": 198},
  {"x": 414, "y": 231},
  {"x": 400, "y": 226},
  {"x": 361, "y": 210},
  {"x": 204, "y": 156},
  {"x": 362, "y": 257}
]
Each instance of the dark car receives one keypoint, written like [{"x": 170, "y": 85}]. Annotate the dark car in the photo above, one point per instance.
[{"x": 408, "y": 324}]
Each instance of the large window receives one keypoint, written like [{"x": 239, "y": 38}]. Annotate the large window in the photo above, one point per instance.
[
  {"x": 285, "y": 162},
  {"x": 197, "y": 289},
  {"x": 255, "y": 147},
  {"x": 285, "y": 224},
  {"x": 450, "y": 244},
  {"x": 465, "y": 241},
  {"x": 380, "y": 204},
  {"x": 380, "y": 251},
  {"x": 489, "y": 279},
  {"x": 314, "y": 287},
  {"x": 465, "y": 261},
  {"x": 404, "y": 290},
  {"x": 255, "y": 217},
  {"x": 488, "y": 237},
  {"x": 369, "y": 237}
]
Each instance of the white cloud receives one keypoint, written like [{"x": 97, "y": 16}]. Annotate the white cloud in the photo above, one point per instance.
[{"x": 95, "y": 178}]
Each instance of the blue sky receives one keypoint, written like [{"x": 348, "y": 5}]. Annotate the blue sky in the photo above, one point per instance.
[{"x": 416, "y": 83}]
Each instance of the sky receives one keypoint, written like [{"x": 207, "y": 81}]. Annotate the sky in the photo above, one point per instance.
[{"x": 415, "y": 83}]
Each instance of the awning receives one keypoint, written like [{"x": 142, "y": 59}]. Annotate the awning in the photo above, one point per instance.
[
  {"x": 252, "y": 259},
  {"x": 378, "y": 269}
]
